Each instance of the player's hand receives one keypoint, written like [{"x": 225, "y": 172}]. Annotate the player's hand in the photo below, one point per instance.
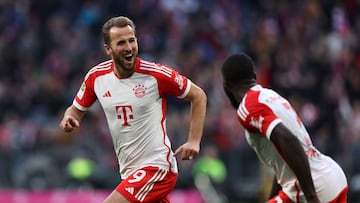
[
  {"x": 188, "y": 151},
  {"x": 69, "y": 123}
]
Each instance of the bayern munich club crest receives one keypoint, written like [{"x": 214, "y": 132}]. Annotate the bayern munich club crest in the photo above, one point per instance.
[{"x": 139, "y": 91}]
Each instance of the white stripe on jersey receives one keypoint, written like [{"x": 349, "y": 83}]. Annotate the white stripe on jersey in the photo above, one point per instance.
[
  {"x": 100, "y": 67},
  {"x": 105, "y": 63},
  {"x": 242, "y": 111},
  {"x": 151, "y": 64},
  {"x": 159, "y": 176},
  {"x": 96, "y": 69},
  {"x": 155, "y": 68}
]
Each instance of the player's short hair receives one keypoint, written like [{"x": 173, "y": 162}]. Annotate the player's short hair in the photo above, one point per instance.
[
  {"x": 120, "y": 21},
  {"x": 237, "y": 68}
]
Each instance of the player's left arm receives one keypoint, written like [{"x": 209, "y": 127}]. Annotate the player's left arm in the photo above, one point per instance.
[
  {"x": 292, "y": 152},
  {"x": 198, "y": 100}
]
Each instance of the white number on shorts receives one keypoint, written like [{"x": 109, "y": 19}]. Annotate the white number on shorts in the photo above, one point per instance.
[{"x": 137, "y": 176}]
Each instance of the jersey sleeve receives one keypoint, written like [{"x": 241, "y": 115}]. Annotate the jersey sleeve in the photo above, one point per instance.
[
  {"x": 177, "y": 84},
  {"x": 85, "y": 97},
  {"x": 257, "y": 117}
]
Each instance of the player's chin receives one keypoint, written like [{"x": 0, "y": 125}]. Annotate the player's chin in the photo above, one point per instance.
[
  {"x": 129, "y": 67},
  {"x": 129, "y": 64}
]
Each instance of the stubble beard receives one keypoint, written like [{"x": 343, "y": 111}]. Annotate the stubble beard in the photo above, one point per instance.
[{"x": 122, "y": 69}]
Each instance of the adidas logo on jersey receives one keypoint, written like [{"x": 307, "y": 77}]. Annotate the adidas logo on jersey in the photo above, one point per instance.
[
  {"x": 107, "y": 94},
  {"x": 130, "y": 190}
]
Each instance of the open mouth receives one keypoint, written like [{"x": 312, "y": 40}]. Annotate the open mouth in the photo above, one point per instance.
[{"x": 128, "y": 57}]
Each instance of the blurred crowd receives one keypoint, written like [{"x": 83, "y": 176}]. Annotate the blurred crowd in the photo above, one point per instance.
[{"x": 307, "y": 50}]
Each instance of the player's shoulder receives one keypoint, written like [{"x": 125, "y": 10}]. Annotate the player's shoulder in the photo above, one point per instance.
[
  {"x": 154, "y": 68},
  {"x": 254, "y": 101},
  {"x": 100, "y": 69},
  {"x": 252, "y": 95},
  {"x": 258, "y": 97}
]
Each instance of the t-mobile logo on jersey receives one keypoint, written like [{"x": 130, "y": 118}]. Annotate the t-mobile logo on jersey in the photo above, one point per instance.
[{"x": 124, "y": 113}]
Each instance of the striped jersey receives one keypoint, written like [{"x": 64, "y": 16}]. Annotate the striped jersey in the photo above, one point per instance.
[
  {"x": 259, "y": 112},
  {"x": 135, "y": 109}
]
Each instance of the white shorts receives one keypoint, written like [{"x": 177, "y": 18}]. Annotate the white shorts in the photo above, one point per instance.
[{"x": 329, "y": 183}]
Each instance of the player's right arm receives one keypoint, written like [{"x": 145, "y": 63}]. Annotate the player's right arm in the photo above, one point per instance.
[
  {"x": 72, "y": 118},
  {"x": 292, "y": 152}
]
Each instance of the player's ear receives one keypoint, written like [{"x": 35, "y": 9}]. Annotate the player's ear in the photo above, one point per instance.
[{"x": 108, "y": 49}]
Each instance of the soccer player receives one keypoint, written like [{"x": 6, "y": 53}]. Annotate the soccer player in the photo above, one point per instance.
[
  {"x": 132, "y": 93},
  {"x": 276, "y": 133}
]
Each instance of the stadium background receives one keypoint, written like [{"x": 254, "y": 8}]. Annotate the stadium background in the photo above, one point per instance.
[{"x": 308, "y": 50}]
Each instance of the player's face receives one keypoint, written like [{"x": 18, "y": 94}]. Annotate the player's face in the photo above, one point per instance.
[{"x": 123, "y": 49}]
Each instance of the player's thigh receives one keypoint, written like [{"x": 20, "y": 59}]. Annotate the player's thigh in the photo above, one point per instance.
[{"x": 115, "y": 197}]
